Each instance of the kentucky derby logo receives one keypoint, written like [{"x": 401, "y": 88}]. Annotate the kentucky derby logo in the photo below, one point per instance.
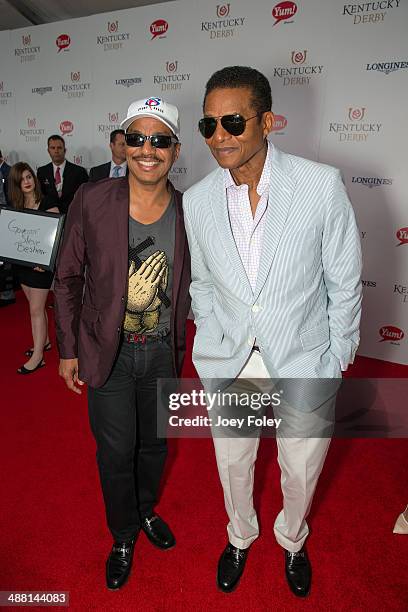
[
  {"x": 114, "y": 117},
  {"x": 152, "y": 102},
  {"x": 31, "y": 123},
  {"x": 356, "y": 114},
  {"x": 171, "y": 66},
  {"x": 75, "y": 76},
  {"x": 299, "y": 57},
  {"x": 389, "y": 333},
  {"x": 113, "y": 26},
  {"x": 158, "y": 29},
  {"x": 78, "y": 160},
  {"x": 63, "y": 41},
  {"x": 223, "y": 10},
  {"x": 284, "y": 11},
  {"x": 26, "y": 39},
  {"x": 32, "y": 133}
]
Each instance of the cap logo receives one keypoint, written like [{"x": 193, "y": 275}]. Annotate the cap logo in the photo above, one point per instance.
[{"x": 152, "y": 102}]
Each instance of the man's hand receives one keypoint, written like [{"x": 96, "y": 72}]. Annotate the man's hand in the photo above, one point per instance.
[
  {"x": 37, "y": 269},
  {"x": 68, "y": 369}
]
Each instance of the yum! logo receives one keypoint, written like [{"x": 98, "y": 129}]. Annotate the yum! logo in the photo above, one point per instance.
[
  {"x": 159, "y": 28},
  {"x": 223, "y": 10},
  {"x": 356, "y": 114},
  {"x": 284, "y": 11},
  {"x": 402, "y": 235},
  {"x": 389, "y": 333},
  {"x": 66, "y": 127},
  {"x": 63, "y": 41},
  {"x": 279, "y": 123}
]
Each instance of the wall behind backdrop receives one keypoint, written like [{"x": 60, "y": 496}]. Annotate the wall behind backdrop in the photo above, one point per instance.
[{"x": 339, "y": 76}]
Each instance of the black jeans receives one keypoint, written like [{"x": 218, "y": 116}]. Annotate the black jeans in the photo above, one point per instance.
[{"x": 123, "y": 419}]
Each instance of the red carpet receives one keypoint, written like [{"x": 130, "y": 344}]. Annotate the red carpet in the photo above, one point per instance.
[{"x": 53, "y": 535}]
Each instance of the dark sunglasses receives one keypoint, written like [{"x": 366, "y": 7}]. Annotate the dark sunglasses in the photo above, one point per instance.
[
  {"x": 233, "y": 124},
  {"x": 158, "y": 141}
]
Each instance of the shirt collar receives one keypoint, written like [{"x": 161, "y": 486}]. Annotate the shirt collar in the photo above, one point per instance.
[
  {"x": 61, "y": 167},
  {"x": 264, "y": 181},
  {"x": 122, "y": 165}
]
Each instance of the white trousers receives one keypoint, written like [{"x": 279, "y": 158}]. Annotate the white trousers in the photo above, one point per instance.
[{"x": 301, "y": 461}]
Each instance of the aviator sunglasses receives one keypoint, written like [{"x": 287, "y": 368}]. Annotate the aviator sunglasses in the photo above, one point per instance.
[
  {"x": 158, "y": 141},
  {"x": 233, "y": 124}
]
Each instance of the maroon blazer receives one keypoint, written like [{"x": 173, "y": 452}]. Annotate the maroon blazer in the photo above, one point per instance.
[{"x": 92, "y": 276}]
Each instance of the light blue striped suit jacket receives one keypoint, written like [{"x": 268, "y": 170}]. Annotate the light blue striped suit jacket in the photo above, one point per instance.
[{"x": 305, "y": 310}]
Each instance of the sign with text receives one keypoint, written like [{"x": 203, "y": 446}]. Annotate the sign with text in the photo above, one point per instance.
[{"x": 30, "y": 238}]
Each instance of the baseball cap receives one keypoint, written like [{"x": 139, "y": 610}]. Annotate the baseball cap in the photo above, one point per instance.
[{"x": 153, "y": 107}]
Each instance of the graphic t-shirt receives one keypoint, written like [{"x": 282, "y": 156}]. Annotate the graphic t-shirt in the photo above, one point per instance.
[{"x": 151, "y": 252}]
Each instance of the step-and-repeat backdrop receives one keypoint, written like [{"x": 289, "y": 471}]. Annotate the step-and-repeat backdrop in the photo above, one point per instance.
[{"x": 339, "y": 76}]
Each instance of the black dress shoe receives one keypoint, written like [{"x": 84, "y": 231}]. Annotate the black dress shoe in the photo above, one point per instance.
[
  {"x": 119, "y": 564},
  {"x": 298, "y": 572},
  {"x": 158, "y": 532},
  {"x": 230, "y": 567}
]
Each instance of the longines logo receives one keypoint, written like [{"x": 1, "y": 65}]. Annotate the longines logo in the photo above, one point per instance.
[
  {"x": 356, "y": 130},
  {"x": 114, "y": 40},
  {"x": 371, "y": 181},
  {"x": 32, "y": 133},
  {"x": 284, "y": 11},
  {"x": 368, "y": 283},
  {"x": 299, "y": 74},
  {"x": 173, "y": 79},
  {"x": 76, "y": 88},
  {"x": 387, "y": 67},
  {"x": 224, "y": 26},
  {"x": 370, "y": 12},
  {"x": 112, "y": 124},
  {"x": 27, "y": 53},
  {"x": 402, "y": 290},
  {"x": 41, "y": 90},
  {"x": 4, "y": 95},
  {"x": 63, "y": 41},
  {"x": 128, "y": 82},
  {"x": 392, "y": 334},
  {"x": 279, "y": 124}
]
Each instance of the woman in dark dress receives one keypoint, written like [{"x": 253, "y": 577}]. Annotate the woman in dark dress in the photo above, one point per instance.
[{"x": 25, "y": 193}]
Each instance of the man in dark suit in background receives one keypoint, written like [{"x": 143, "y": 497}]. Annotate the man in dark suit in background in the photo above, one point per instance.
[
  {"x": 4, "y": 172},
  {"x": 122, "y": 300},
  {"x": 118, "y": 166},
  {"x": 60, "y": 178}
]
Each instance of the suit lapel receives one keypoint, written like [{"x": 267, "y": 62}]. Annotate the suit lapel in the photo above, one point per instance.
[
  {"x": 179, "y": 247},
  {"x": 280, "y": 198},
  {"x": 219, "y": 206}
]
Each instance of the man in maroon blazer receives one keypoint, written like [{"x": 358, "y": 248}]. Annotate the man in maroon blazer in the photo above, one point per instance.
[{"x": 121, "y": 298}]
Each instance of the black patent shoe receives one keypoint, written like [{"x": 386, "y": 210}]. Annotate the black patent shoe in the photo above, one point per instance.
[
  {"x": 158, "y": 532},
  {"x": 119, "y": 564},
  {"x": 230, "y": 567},
  {"x": 298, "y": 572}
]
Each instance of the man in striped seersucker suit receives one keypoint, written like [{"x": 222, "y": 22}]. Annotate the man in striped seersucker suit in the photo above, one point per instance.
[{"x": 276, "y": 292}]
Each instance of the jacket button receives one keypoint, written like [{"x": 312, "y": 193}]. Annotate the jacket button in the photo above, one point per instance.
[
  {"x": 122, "y": 298},
  {"x": 118, "y": 330}
]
